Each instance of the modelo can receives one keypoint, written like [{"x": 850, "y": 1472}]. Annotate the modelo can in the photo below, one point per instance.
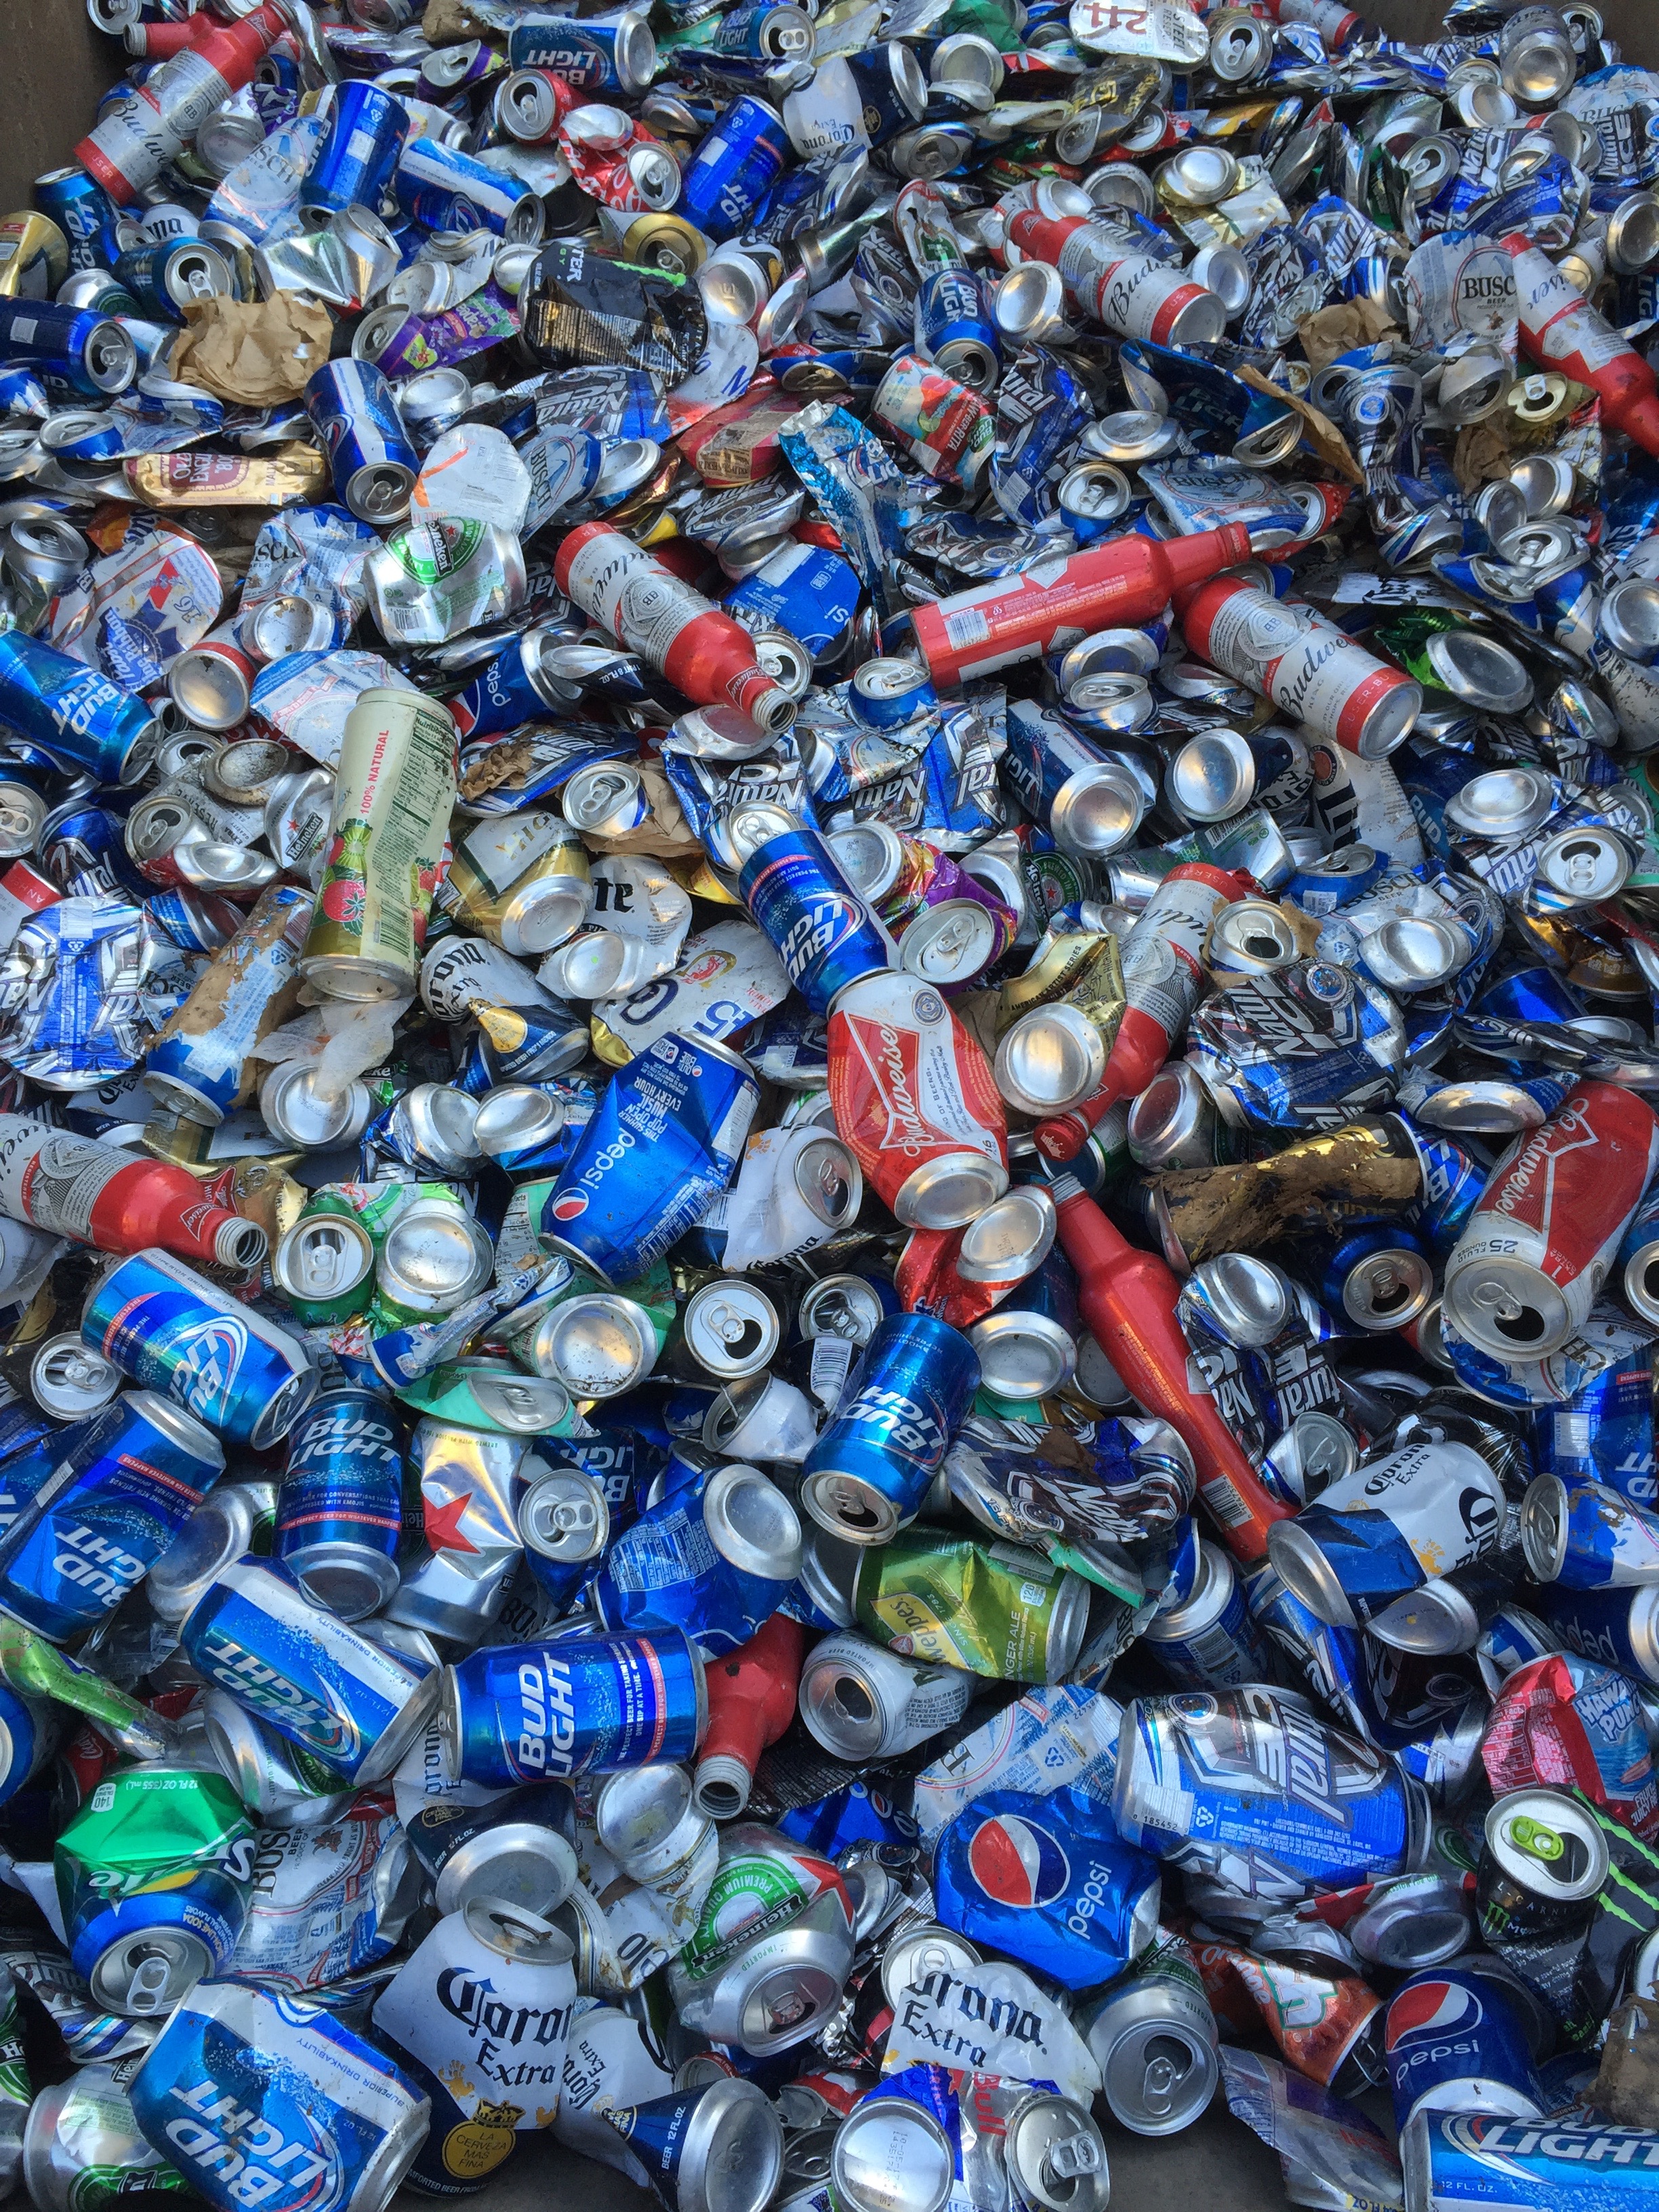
[
  {"x": 119, "y": 1490},
  {"x": 246, "y": 2086},
  {"x": 175, "y": 1333},
  {"x": 870, "y": 1469},
  {"x": 339, "y": 1510},
  {"x": 1534, "y": 1252},
  {"x": 356, "y": 1705},
  {"x": 154, "y": 1877},
  {"x": 823, "y": 932},
  {"x": 485, "y": 2004},
  {"x": 577, "y": 1705},
  {"x": 1454, "y": 2041}
]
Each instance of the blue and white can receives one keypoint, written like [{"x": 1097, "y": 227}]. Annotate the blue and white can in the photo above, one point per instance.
[
  {"x": 1453, "y": 2040},
  {"x": 730, "y": 176},
  {"x": 449, "y": 191},
  {"x": 354, "y": 411},
  {"x": 357, "y": 154},
  {"x": 576, "y": 1705},
  {"x": 875, "y": 1461},
  {"x": 73, "y": 711},
  {"x": 340, "y": 1510},
  {"x": 825, "y": 933}
]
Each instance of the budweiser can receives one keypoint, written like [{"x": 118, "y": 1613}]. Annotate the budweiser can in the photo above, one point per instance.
[
  {"x": 1536, "y": 1250},
  {"x": 1304, "y": 664},
  {"x": 916, "y": 1101},
  {"x": 1132, "y": 294}
]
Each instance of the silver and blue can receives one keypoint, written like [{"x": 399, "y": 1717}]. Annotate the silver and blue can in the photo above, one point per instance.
[
  {"x": 29, "y": 1734},
  {"x": 356, "y": 1705},
  {"x": 199, "y": 1065},
  {"x": 666, "y": 1134},
  {"x": 122, "y": 1485},
  {"x": 1454, "y": 2042},
  {"x": 166, "y": 279},
  {"x": 823, "y": 932},
  {"x": 730, "y": 176},
  {"x": 510, "y": 690},
  {"x": 172, "y": 1332},
  {"x": 577, "y": 1705},
  {"x": 81, "y": 209},
  {"x": 618, "y": 56},
  {"x": 952, "y": 324},
  {"x": 88, "y": 350},
  {"x": 1451, "y": 2159},
  {"x": 357, "y": 154},
  {"x": 872, "y": 1467},
  {"x": 339, "y": 1510},
  {"x": 715, "y": 1556},
  {"x": 74, "y": 711},
  {"x": 354, "y": 414},
  {"x": 449, "y": 191}
]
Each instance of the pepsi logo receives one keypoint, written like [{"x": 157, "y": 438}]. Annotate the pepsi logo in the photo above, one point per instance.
[
  {"x": 568, "y": 1207},
  {"x": 1016, "y": 1863},
  {"x": 1423, "y": 2010}
]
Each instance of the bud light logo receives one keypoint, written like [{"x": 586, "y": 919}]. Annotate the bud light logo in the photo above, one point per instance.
[
  {"x": 1431, "y": 2011},
  {"x": 1016, "y": 1863}
]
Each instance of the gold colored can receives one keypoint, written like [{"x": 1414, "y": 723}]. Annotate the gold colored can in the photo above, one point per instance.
[
  {"x": 282, "y": 478},
  {"x": 521, "y": 880},
  {"x": 1080, "y": 967},
  {"x": 1344, "y": 1174},
  {"x": 33, "y": 257},
  {"x": 665, "y": 241}
]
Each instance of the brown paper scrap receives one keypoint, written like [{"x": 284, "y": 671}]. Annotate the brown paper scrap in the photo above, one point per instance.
[{"x": 258, "y": 355}]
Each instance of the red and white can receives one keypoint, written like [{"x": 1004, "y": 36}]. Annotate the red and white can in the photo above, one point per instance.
[
  {"x": 1560, "y": 329},
  {"x": 915, "y": 1100},
  {"x": 140, "y": 134},
  {"x": 1304, "y": 664},
  {"x": 1334, "y": 23},
  {"x": 23, "y": 891},
  {"x": 1132, "y": 294},
  {"x": 1534, "y": 1254}
]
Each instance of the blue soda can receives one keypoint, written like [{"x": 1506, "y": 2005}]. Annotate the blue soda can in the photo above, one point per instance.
[
  {"x": 952, "y": 324},
  {"x": 1455, "y": 2159},
  {"x": 510, "y": 690},
  {"x": 355, "y": 414},
  {"x": 200, "y": 1063},
  {"x": 73, "y": 710},
  {"x": 1250, "y": 1789},
  {"x": 29, "y": 1733},
  {"x": 806, "y": 590},
  {"x": 1529, "y": 994},
  {"x": 863, "y": 1813},
  {"x": 163, "y": 278},
  {"x": 319, "y": 1683},
  {"x": 1585, "y": 1535},
  {"x": 1605, "y": 1433},
  {"x": 81, "y": 209},
  {"x": 1614, "y": 1628},
  {"x": 825, "y": 933},
  {"x": 358, "y": 152},
  {"x": 619, "y": 56},
  {"x": 89, "y": 351},
  {"x": 734, "y": 169},
  {"x": 449, "y": 191},
  {"x": 1455, "y": 2042},
  {"x": 122, "y": 1486},
  {"x": 1376, "y": 1277},
  {"x": 867, "y": 1475},
  {"x": 715, "y": 1558},
  {"x": 340, "y": 1510},
  {"x": 260, "y": 2098},
  {"x": 577, "y": 1705},
  {"x": 1567, "y": 598},
  {"x": 666, "y": 1134},
  {"x": 1065, "y": 781},
  {"x": 172, "y": 1332}
]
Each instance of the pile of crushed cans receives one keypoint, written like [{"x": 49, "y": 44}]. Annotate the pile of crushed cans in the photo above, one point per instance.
[{"x": 828, "y": 1233}]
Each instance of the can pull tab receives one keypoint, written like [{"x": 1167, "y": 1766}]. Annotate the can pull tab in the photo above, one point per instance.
[
  {"x": 147, "y": 1990},
  {"x": 1163, "y": 2076},
  {"x": 1071, "y": 2156}
]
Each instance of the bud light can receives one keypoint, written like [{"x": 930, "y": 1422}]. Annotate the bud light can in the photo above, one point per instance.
[
  {"x": 867, "y": 1475},
  {"x": 339, "y": 1511},
  {"x": 579, "y": 1705},
  {"x": 825, "y": 933}
]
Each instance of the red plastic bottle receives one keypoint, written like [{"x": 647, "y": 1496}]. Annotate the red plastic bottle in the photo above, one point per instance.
[
  {"x": 140, "y": 135},
  {"x": 701, "y": 652},
  {"x": 114, "y": 1200},
  {"x": 1120, "y": 584},
  {"x": 751, "y": 1700},
  {"x": 1560, "y": 329},
  {"x": 1127, "y": 1297}
]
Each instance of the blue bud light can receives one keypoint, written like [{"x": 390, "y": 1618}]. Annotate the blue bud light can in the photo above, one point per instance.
[
  {"x": 1451, "y": 2159},
  {"x": 318, "y": 1682},
  {"x": 867, "y": 1475},
  {"x": 823, "y": 931},
  {"x": 261, "y": 2099},
  {"x": 619, "y": 56},
  {"x": 339, "y": 1510},
  {"x": 358, "y": 154},
  {"x": 121, "y": 1487},
  {"x": 449, "y": 191},
  {"x": 81, "y": 209},
  {"x": 578, "y": 1704},
  {"x": 952, "y": 324},
  {"x": 91, "y": 351},
  {"x": 74, "y": 711},
  {"x": 172, "y": 1332},
  {"x": 716, "y": 1558},
  {"x": 732, "y": 175},
  {"x": 666, "y": 1134},
  {"x": 1454, "y": 2041},
  {"x": 356, "y": 417},
  {"x": 1605, "y": 1432}
]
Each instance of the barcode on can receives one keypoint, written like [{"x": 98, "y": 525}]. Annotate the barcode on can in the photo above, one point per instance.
[
  {"x": 966, "y": 626},
  {"x": 1224, "y": 1502},
  {"x": 360, "y": 147},
  {"x": 1572, "y": 1435}
]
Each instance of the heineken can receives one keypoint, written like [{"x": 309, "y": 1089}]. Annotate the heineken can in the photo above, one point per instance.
[
  {"x": 393, "y": 791},
  {"x": 82, "y": 2149}
]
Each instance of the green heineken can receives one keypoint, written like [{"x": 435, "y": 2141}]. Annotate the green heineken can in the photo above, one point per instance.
[
  {"x": 495, "y": 1394},
  {"x": 996, "y": 1609},
  {"x": 83, "y": 2150},
  {"x": 155, "y": 1876}
]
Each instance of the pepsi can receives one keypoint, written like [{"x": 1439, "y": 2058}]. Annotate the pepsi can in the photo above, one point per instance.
[
  {"x": 121, "y": 1486},
  {"x": 579, "y": 1705},
  {"x": 511, "y": 689},
  {"x": 319, "y": 1683},
  {"x": 355, "y": 414},
  {"x": 358, "y": 154},
  {"x": 172, "y": 1332},
  {"x": 1453, "y": 2040},
  {"x": 339, "y": 1510},
  {"x": 75, "y": 712},
  {"x": 730, "y": 176},
  {"x": 825, "y": 933},
  {"x": 666, "y": 1134},
  {"x": 870, "y": 1469}
]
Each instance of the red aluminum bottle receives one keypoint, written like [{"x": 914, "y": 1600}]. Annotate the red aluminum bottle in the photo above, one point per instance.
[
  {"x": 1127, "y": 1297},
  {"x": 1303, "y": 663},
  {"x": 1119, "y": 584},
  {"x": 1560, "y": 329},
  {"x": 1335, "y": 24},
  {"x": 1163, "y": 976},
  {"x": 141, "y": 134},
  {"x": 158, "y": 42},
  {"x": 115, "y": 1199},
  {"x": 1132, "y": 295},
  {"x": 751, "y": 1701},
  {"x": 701, "y": 652}
]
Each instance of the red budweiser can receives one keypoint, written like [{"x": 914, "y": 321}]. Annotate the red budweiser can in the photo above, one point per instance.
[
  {"x": 916, "y": 1101},
  {"x": 142, "y": 133},
  {"x": 1536, "y": 1250},
  {"x": 1130, "y": 292},
  {"x": 1303, "y": 663},
  {"x": 702, "y": 651},
  {"x": 1121, "y": 583}
]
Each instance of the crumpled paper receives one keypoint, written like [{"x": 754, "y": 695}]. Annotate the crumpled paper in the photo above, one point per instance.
[
  {"x": 1341, "y": 328},
  {"x": 260, "y": 355}
]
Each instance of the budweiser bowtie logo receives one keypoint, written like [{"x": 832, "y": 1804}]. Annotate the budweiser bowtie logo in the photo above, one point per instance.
[{"x": 892, "y": 1115}]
